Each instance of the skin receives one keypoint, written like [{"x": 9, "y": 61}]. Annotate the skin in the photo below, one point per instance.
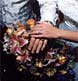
[
  {"x": 45, "y": 30},
  {"x": 36, "y": 45}
]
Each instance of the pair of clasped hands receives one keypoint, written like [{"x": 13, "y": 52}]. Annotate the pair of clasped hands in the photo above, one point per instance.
[{"x": 40, "y": 34}]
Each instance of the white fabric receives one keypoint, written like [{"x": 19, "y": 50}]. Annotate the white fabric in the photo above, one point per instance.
[
  {"x": 48, "y": 10},
  {"x": 10, "y": 10},
  {"x": 68, "y": 7}
]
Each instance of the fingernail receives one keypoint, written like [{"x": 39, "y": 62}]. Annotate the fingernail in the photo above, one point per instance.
[
  {"x": 37, "y": 51},
  {"x": 32, "y": 52}
]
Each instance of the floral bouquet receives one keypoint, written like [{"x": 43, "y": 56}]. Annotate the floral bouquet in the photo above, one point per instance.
[
  {"x": 16, "y": 40},
  {"x": 57, "y": 57}
]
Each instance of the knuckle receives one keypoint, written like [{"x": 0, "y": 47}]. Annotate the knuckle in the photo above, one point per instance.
[{"x": 32, "y": 39}]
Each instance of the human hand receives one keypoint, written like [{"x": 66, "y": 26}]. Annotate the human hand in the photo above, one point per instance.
[
  {"x": 45, "y": 30},
  {"x": 37, "y": 45}
]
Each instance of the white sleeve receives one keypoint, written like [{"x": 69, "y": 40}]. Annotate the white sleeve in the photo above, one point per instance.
[{"x": 48, "y": 10}]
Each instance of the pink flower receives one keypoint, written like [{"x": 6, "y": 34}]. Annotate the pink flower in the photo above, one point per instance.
[
  {"x": 22, "y": 42},
  {"x": 16, "y": 44},
  {"x": 15, "y": 48}
]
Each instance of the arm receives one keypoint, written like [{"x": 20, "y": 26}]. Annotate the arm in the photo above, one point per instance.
[
  {"x": 44, "y": 30},
  {"x": 48, "y": 13},
  {"x": 69, "y": 35}
]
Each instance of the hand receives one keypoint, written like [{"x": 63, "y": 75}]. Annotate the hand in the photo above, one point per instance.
[
  {"x": 45, "y": 30},
  {"x": 37, "y": 45}
]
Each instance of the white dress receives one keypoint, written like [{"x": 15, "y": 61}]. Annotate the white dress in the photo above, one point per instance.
[
  {"x": 21, "y": 10},
  {"x": 70, "y": 10}
]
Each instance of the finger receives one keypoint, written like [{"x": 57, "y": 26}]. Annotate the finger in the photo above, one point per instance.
[
  {"x": 38, "y": 36},
  {"x": 32, "y": 40},
  {"x": 36, "y": 32},
  {"x": 37, "y": 28},
  {"x": 35, "y": 45},
  {"x": 39, "y": 46},
  {"x": 44, "y": 45}
]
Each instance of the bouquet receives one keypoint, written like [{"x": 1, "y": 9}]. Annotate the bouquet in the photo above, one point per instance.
[
  {"x": 16, "y": 40},
  {"x": 56, "y": 57}
]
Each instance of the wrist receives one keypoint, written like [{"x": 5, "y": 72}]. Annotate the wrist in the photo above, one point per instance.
[{"x": 59, "y": 34}]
